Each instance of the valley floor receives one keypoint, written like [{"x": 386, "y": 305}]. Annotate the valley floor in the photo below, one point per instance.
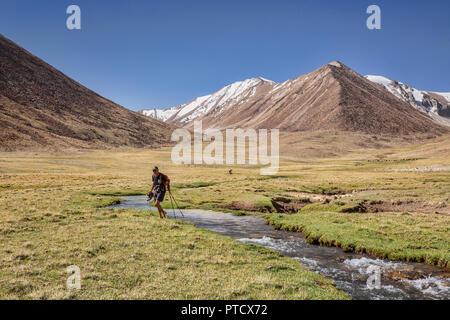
[{"x": 393, "y": 203}]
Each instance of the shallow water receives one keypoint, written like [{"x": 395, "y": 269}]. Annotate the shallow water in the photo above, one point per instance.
[{"x": 349, "y": 271}]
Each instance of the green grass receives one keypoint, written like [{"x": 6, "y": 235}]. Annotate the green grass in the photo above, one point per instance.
[
  {"x": 193, "y": 185},
  {"x": 118, "y": 193},
  {"x": 396, "y": 236}
]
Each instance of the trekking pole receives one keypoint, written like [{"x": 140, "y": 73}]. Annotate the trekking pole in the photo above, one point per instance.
[
  {"x": 173, "y": 209},
  {"x": 176, "y": 203},
  {"x": 178, "y": 207}
]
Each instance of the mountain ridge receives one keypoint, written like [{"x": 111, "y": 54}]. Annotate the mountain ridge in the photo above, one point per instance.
[
  {"x": 332, "y": 97},
  {"x": 42, "y": 108},
  {"x": 436, "y": 104},
  {"x": 182, "y": 114}
]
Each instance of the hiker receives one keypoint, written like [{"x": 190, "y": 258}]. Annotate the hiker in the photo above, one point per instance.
[
  {"x": 230, "y": 172},
  {"x": 161, "y": 184}
]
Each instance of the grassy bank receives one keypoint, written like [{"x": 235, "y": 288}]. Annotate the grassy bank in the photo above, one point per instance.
[{"x": 396, "y": 236}]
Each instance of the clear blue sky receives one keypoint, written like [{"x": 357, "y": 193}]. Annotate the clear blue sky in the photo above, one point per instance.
[{"x": 145, "y": 54}]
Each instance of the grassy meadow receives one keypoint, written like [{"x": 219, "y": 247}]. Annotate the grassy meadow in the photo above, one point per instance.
[{"x": 391, "y": 203}]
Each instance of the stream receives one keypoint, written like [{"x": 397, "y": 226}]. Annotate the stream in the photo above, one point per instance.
[{"x": 348, "y": 270}]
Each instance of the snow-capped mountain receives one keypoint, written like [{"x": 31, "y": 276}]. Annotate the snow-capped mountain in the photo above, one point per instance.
[
  {"x": 333, "y": 97},
  {"x": 435, "y": 103},
  {"x": 159, "y": 114},
  {"x": 234, "y": 94}
]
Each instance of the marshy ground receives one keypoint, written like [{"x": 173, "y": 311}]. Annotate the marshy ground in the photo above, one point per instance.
[{"x": 52, "y": 216}]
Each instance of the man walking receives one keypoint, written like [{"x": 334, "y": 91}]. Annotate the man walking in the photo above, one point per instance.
[{"x": 160, "y": 185}]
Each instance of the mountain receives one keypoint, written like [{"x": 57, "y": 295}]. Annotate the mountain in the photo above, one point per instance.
[
  {"x": 216, "y": 103},
  {"x": 436, "y": 104},
  {"x": 41, "y": 108},
  {"x": 334, "y": 97}
]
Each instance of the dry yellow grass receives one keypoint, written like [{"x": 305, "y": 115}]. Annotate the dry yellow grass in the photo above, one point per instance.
[{"x": 51, "y": 217}]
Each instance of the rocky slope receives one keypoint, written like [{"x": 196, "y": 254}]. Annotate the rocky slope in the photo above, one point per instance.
[
  {"x": 41, "y": 108},
  {"x": 436, "y": 104},
  {"x": 333, "y": 97},
  {"x": 237, "y": 93}
]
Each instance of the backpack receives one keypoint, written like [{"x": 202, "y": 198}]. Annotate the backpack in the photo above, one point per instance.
[{"x": 164, "y": 178}]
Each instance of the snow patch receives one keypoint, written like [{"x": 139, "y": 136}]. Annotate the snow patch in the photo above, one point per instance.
[
  {"x": 159, "y": 114},
  {"x": 386, "y": 82},
  {"x": 407, "y": 93},
  {"x": 192, "y": 105},
  {"x": 233, "y": 94},
  {"x": 446, "y": 95},
  {"x": 266, "y": 80}
]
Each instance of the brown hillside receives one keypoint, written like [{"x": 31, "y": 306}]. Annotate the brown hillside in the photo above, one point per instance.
[
  {"x": 41, "y": 108},
  {"x": 333, "y": 97}
]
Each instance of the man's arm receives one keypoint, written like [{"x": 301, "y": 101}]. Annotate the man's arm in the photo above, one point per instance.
[
  {"x": 154, "y": 184},
  {"x": 149, "y": 194},
  {"x": 167, "y": 184}
]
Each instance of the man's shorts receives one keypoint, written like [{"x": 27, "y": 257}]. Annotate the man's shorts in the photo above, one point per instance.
[{"x": 159, "y": 196}]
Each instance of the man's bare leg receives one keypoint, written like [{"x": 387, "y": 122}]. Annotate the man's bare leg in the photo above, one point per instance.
[
  {"x": 162, "y": 213},
  {"x": 159, "y": 208}
]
